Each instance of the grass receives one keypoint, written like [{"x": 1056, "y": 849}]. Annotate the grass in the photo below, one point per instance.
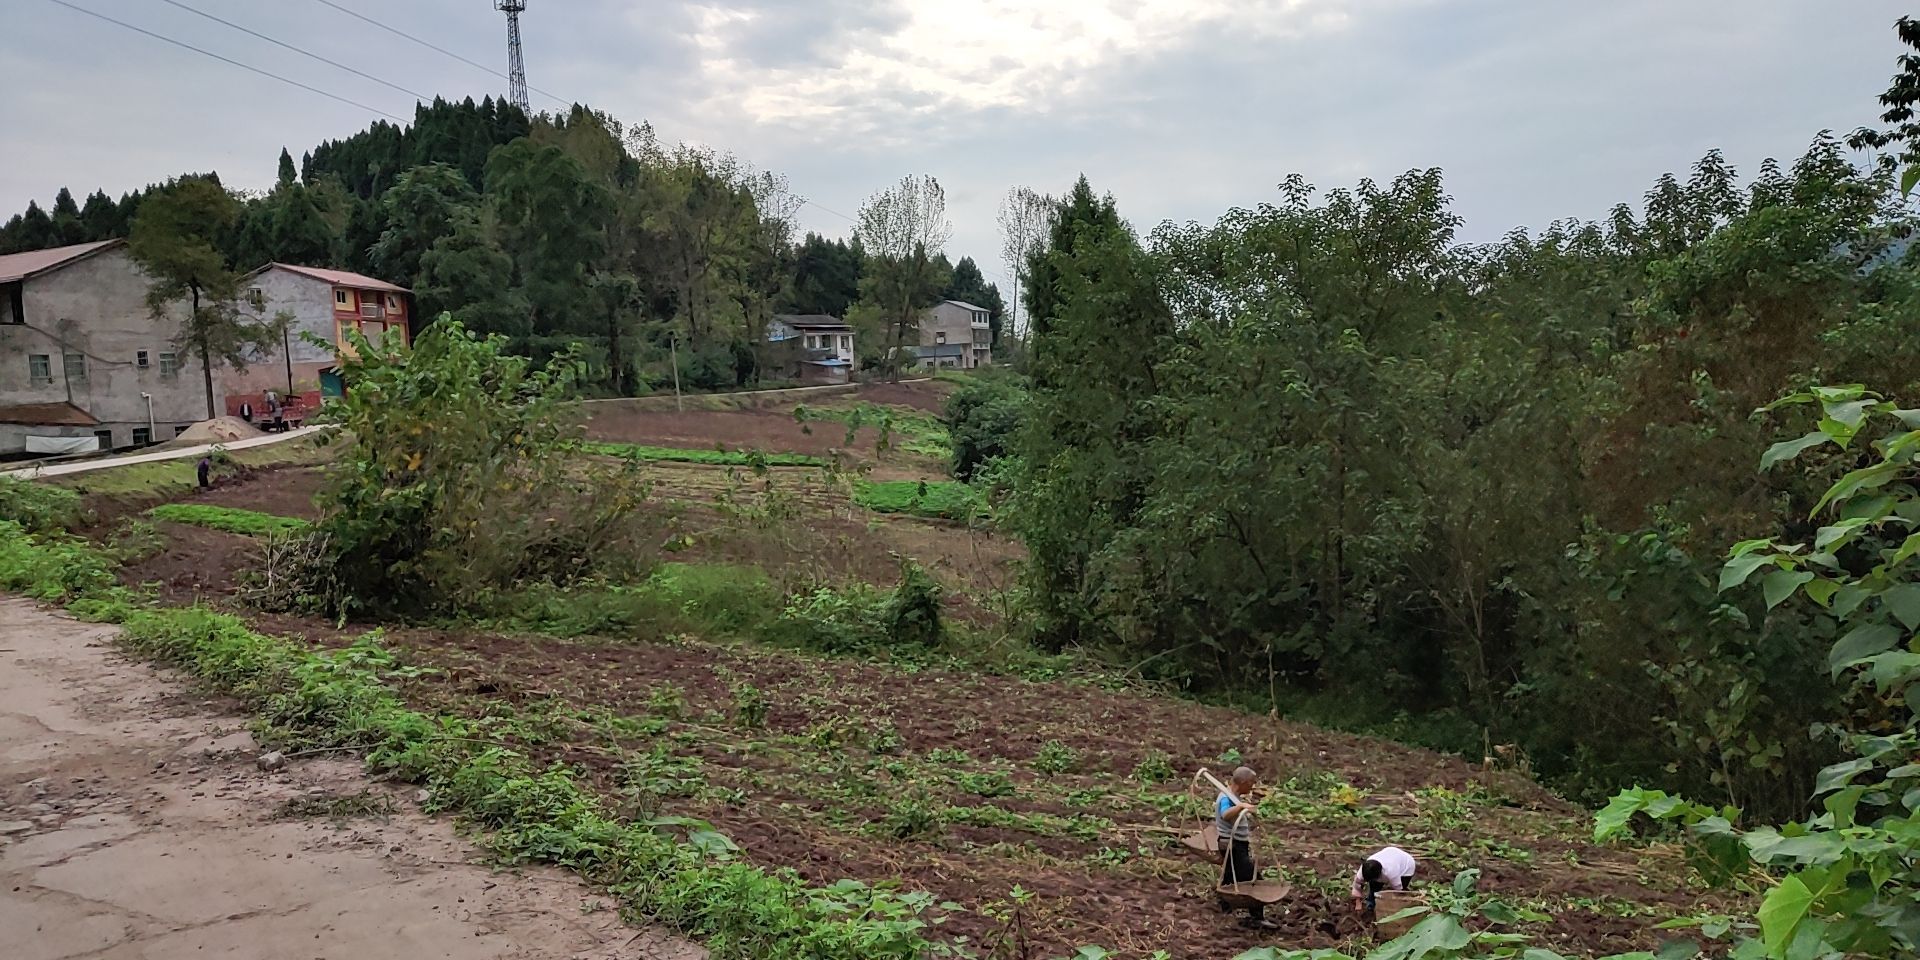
[
  {"x": 940, "y": 499},
  {"x": 38, "y": 507},
  {"x": 917, "y": 432},
  {"x": 250, "y": 523},
  {"x": 715, "y": 457}
]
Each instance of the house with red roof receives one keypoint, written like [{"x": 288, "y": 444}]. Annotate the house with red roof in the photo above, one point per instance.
[{"x": 326, "y": 304}]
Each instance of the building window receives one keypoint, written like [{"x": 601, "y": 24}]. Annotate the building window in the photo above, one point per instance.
[
  {"x": 75, "y": 367},
  {"x": 340, "y": 298},
  {"x": 105, "y": 437},
  {"x": 393, "y": 302},
  {"x": 140, "y": 359},
  {"x": 40, "y": 370},
  {"x": 179, "y": 429},
  {"x": 142, "y": 437},
  {"x": 846, "y": 343},
  {"x": 940, "y": 337},
  {"x": 169, "y": 365}
]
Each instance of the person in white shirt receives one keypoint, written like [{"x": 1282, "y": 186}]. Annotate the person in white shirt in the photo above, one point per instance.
[{"x": 1390, "y": 869}]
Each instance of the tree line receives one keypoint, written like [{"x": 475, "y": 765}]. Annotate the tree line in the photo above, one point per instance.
[
  {"x": 1323, "y": 452},
  {"x": 560, "y": 230}
]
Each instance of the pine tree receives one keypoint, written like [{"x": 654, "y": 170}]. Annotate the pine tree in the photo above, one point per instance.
[{"x": 287, "y": 173}]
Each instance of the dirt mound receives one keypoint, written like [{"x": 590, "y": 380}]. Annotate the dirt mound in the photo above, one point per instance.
[{"x": 217, "y": 430}]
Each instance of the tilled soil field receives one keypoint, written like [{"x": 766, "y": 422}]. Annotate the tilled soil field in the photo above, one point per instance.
[{"x": 969, "y": 786}]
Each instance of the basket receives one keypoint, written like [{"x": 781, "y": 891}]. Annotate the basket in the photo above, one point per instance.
[{"x": 1252, "y": 893}]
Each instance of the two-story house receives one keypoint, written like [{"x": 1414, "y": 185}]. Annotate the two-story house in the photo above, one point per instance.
[
  {"x": 811, "y": 348},
  {"x": 956, "y": 335},
  {"x": 327, "y": 304},
  {"x": 84, "y": 364}
]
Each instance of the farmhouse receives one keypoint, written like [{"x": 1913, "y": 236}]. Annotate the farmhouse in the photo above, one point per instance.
[
  {"x": 954, "y": 335},
  {"x": 326, "y": 304},
  {"x": 83, "y": 362},
  {"x": 812, "y": 348}
]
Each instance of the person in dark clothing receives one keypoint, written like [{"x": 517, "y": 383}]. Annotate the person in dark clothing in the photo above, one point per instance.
[
  {"x": 205, "y": 470},
  {"x": 1233, "y": 823}
]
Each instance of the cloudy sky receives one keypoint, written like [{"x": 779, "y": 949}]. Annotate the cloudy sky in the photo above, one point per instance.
[{"x": 1536, "y": 109}]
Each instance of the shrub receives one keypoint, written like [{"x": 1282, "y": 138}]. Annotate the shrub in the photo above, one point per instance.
[
  {"x": 1055, "y": 757},
  {"x": 458, "y": 479},
  {"x": 982, "y": 418},
  {"x": 50, "y": 567},
  {"x": 38, "y": 507}
]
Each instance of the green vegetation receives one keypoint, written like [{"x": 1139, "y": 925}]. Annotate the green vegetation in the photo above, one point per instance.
[
  {"x": 918, "y": 433},
  {"x": 165, "y": 479},
  {"x": 727, "y": 458},
  {"x": 251, "y": 523},
  {"x": 940, "y": 499},
  {"x": 983, "y": 416},
  {"x": 38, "y": 507}
]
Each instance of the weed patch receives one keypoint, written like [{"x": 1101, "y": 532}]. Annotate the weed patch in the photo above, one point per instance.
[
  {"x": 38, "y": 507},
  {"x": 250, "y": 523},
  {"x": 940, "y": 499},
  {"x": 755, "y": 459}
]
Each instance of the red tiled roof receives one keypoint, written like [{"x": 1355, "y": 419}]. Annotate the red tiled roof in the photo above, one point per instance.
[
  {"x": 19, "y": 266},
  {"x": 47, "y": 414},
  {"x": 339, "y": 278}
]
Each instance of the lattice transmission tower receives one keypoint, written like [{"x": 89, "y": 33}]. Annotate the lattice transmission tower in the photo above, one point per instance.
[{"x": 516, "y": 67}]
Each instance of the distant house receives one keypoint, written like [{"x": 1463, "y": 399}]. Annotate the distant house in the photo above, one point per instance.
[
  {"x": 954, "y": 335},
  {"x": 83, "y": 362},
  {"x": 811, "y": 348},
  {"x": 326, "y": 304}
]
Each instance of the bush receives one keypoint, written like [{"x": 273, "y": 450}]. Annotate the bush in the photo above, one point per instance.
[
  {"x": 982, "y": 418},
  {"x": 52, "y": 568},
  {"x": 861, "y": 620},
  {"x": 38, "y": 507},
  {"x": 460, "y": 480}
]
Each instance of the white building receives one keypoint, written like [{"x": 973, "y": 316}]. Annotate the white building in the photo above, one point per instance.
[
  {"x": 812, "y": 348},
  {"x": 955, "y": 334}
]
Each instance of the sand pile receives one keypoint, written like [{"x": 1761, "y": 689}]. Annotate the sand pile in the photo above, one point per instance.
[{"x": 217, "y": 430}]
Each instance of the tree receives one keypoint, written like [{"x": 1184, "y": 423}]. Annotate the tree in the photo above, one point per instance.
[
  {"x": 175, "y": 240},
  {"x": 904, "y": 229},
  {"x": 1901, "y": 98},
  {"x": 287, "y": 174},
  {"x": 424, "y": 205},
  {"x": 826, "y": 276},
  {"x": 66, "y": 219},
  {"x": 36, "y": 230},
  {"x": 1025, "y": 217},
  {"x": 100, "y": 219},
  {"x": 467, "y": 275}
]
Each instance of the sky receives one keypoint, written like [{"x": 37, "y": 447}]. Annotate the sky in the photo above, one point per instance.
[{"x": 1182, "y": 109}]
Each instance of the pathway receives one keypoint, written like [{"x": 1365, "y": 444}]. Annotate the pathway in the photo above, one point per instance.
[
  {"x": 84, "y": 466},
  {"x": 134, "y": 825}
]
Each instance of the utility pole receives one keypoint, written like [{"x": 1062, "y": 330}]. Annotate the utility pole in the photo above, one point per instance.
[{"x": 516, "y": 67}]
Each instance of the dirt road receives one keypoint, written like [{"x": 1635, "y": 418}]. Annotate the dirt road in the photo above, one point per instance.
[{"x": 135, "y": 825}]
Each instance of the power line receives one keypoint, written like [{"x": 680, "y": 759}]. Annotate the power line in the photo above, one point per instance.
[
  {"x": 396, "y": 31},
  {"x": 312, "y": 56},
  {"x": 227, "y": 60}
]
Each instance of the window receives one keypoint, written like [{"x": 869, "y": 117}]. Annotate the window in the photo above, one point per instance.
[
  {"x": 393, "y": 302},
  {"x": 846, "y": 343},
  {"x": 179, "y": 429},
  {"x": 169, "y": 365},
  {"x": 40, "y": 369},
  {"x": 142, "y": 437},
  {"x": 340, "y": 298},
  {"x": 75, "y": 365},
  {"x": 140, "y": 359},
  {"x": 940, "y": 337},
  {"x": 105, "y": 437}
]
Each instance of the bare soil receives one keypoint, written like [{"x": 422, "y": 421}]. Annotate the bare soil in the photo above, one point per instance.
[{"x": 134, "y": 825}]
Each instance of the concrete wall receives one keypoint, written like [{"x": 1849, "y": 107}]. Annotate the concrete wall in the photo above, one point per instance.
[
  {"x": 97, "y": 308},
  {"x": 957, "y": 323},
  {"x": 311, "y": 303}
]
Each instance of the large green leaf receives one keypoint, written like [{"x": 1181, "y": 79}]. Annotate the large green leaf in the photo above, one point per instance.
[
  {"x": 1739, "y": 569},
  {"x": 1841, "y": 774},
  {"x": 1904, "y": 600},
  {"x": 1788, "y": 449},
  {"x": 1440, "y": 933},
  {"x": 1909, "y": 179},
  {"x": 1865, "y": 478},
  {"x": 1828, "y": 537},
  {"x": 1781, "y": 912},
  {"x": 1860, "y": 643},
  {"x": 1780, "y": 584},
  {"x": 1907, "y": 549}
]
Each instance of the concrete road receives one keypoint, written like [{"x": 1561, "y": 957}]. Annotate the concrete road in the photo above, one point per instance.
[
  {"x": 83, "y": 466},
  {"x": 134, "y": 825}
]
